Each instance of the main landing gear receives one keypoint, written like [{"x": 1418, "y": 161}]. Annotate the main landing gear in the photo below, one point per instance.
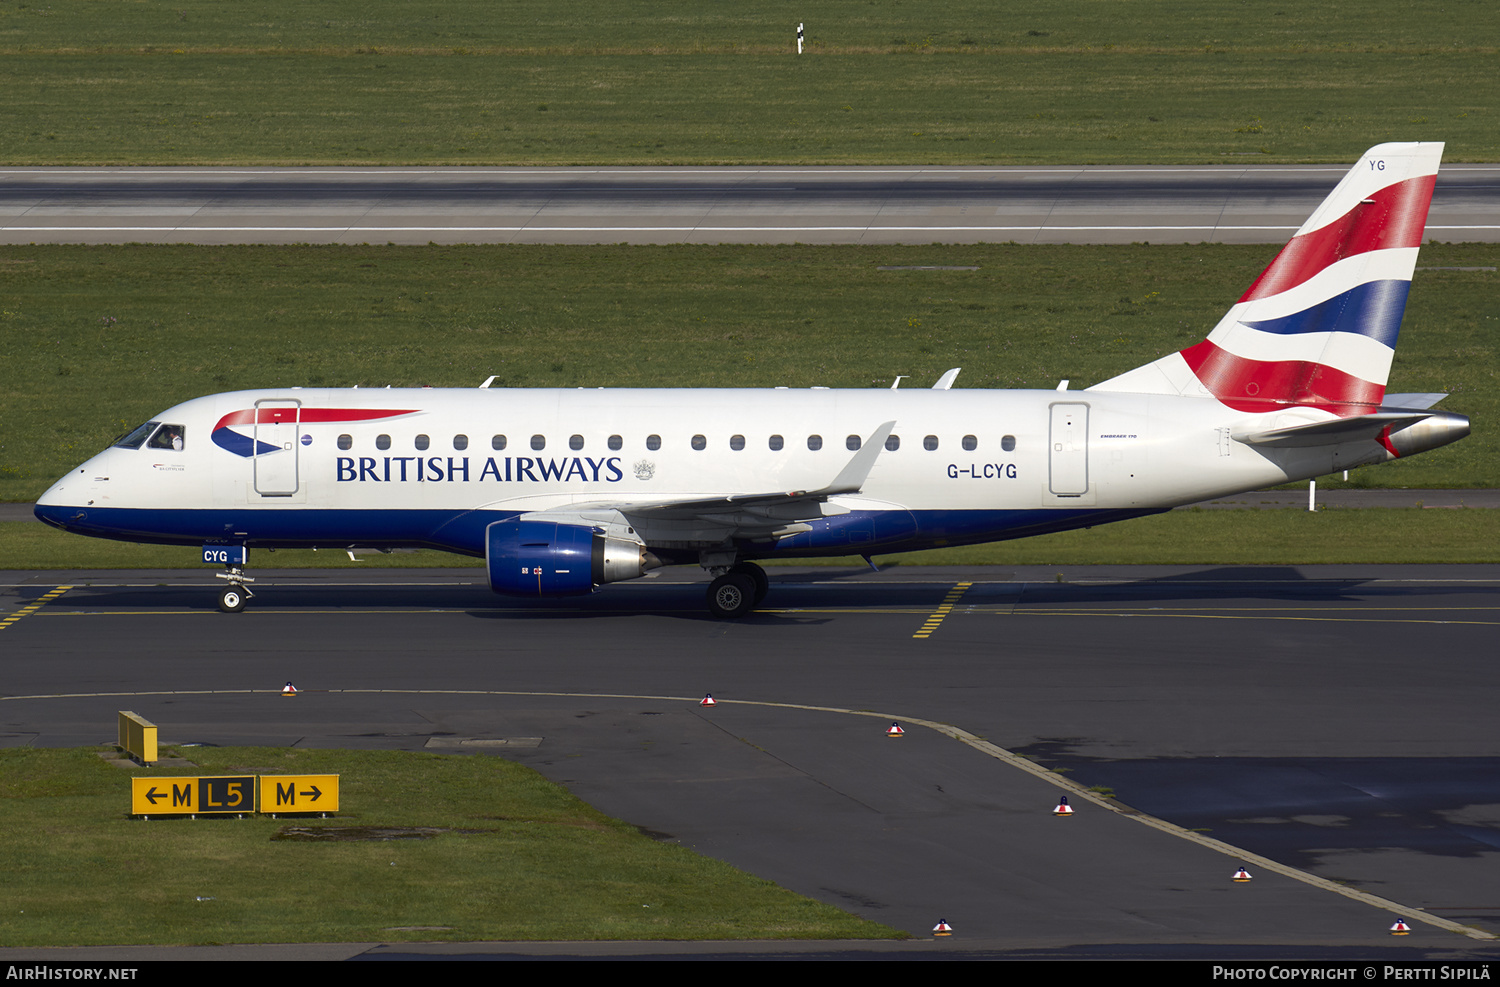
[
  {"x": 232, "y": 598},
  {"x": 737, "y": 591}
]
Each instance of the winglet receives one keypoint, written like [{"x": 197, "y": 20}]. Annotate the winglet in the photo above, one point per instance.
[{"x": 853, "y": 475}]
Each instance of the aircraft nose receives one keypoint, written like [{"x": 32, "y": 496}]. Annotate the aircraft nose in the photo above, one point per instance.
[
  {"x": 66, "y": 499},
  {"x": 52, "y": 507},
  {"x": 53, "y": 497},
  {"x": 57, "y": 495}
]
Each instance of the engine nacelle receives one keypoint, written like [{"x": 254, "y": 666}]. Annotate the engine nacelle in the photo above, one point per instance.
[{"x": 549, "y": 558}]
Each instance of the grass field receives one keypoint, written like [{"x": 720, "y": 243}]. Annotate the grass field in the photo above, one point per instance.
[
  {"x": 644, "y": 82},
  {"x": 518, "y": 858},
  {"x": 94, "y": 340}
]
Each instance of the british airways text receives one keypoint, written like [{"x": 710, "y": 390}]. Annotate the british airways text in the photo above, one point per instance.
[{"x": 450, "y": 469}]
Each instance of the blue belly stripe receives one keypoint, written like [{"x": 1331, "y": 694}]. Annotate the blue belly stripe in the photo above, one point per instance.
[{"x": 463, "y": 532}]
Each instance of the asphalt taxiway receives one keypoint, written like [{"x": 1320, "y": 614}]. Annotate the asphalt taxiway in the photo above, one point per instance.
[{"x": 1332, "y": 727}]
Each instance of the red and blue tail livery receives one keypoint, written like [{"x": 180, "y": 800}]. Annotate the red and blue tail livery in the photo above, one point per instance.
[
  {"x": 561, "y": 491},
  {"x": 1318, "y": 327}
]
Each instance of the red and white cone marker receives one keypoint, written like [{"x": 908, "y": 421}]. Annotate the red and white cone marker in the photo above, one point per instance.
[
  {"x": 1400, "y": 929},
  {"x": 895, "y": 731},
  {"x": 1063, "y": 808},
  {"x": 1242, "y": 875},
  {"x": 942, "y": 929},
  {"x": 707, "y": 700},
  {"x": 288, "y": 690}
]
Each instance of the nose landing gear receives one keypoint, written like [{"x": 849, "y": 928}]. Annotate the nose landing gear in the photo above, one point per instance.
[{"x": 232, "y": 598}]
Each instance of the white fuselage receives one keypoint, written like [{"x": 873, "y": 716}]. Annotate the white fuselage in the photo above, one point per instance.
[{"x": 430, "y": 467}]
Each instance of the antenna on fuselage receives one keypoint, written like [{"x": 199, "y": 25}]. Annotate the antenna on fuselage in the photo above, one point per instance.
[
  {"x": 897, "y": 382},
  {"x": 488, "y": 381}
]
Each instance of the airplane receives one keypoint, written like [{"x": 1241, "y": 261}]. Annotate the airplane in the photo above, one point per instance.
[{"x": 562, "y": 491}]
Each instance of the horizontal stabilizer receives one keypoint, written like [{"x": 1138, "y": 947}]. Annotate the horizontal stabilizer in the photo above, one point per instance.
[
  {"x": 1332, "y": 432},
  {"x": 1392, "y": 401}
]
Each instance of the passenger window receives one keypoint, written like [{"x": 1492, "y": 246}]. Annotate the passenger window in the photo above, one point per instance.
[
  {"x": 382, "y": 441},
  {"x": 346, "y": 442},
  {"x": 168, "y": 437},
  {"x": 970, "y": 443},
  {"x": 497, "y": 442},
  {"x": 852, "y": 443},
  {"x": 653, "y": 442},
  {"x": 460, "y": 442},
  {"x": 699, "y": 442},
  {"x": 815, "y": 442},
  {"x": 615, "y": 442},
  {"x": 423, "y": 442},
  {"x": 930, "y": 443},
  {"x": 575, "y": 443},
  {"x": 892, "y": 443},
  {"x": 776, "y": 443},
  {"x": 1008, "y": 443},
  {"x": 538, "y": 442},
  {"x": 736, "y": 442},
  {"x": 137, "y": 436}
]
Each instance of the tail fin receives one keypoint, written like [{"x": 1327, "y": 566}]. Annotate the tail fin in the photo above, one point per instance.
[{"x": 1318, "y": 327}]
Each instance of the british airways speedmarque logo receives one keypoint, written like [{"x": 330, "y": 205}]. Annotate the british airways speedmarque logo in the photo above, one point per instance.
[{"x": 240, "y": 444}]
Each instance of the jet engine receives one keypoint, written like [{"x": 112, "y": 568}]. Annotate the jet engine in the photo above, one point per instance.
[{"x": 551, "y": 558}]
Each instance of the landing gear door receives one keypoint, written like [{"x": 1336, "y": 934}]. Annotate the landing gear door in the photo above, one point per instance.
[
  {"x": 1068, "y": 456},
  {"x": 276, "y": 425}
]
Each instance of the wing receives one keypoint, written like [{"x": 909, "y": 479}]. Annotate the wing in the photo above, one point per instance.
[{"x": 735, "y": 516}]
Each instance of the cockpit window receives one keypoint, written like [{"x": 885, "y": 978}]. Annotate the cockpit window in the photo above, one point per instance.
[
  {"x": 134, "y": 439},
  {"x": 168, "y": 437}
]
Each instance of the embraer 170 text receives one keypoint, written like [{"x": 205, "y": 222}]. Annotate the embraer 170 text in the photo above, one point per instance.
[{"x": 561, "y": 491}]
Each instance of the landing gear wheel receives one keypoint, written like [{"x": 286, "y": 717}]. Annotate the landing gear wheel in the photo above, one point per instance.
[
  {"x": 755, "y": 572},
  {"x": 232, "y": 599},
  {"x": 731, "y": 595}
]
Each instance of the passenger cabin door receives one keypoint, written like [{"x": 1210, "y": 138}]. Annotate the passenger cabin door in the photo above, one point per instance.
[
  {"x": 276, "y": 426},
  {"x": 1068, "y": 456}
]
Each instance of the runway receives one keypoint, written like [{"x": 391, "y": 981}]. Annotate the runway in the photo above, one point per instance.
[
  {"x": 850, "y": 205},
  {"x": 1330, "y": 727}
]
